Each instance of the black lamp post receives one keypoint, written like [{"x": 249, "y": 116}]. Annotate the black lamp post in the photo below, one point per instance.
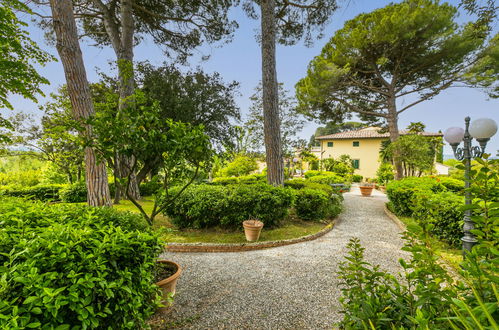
[{"x": 482, "y": 130}]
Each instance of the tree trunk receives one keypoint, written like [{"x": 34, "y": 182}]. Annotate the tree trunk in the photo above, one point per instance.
[
  {"x": 69, "y": 51},
  {"x": 271, "y": 121},
  {"x": 127, "y": 85},
  {"x": 394, "y": 135}
]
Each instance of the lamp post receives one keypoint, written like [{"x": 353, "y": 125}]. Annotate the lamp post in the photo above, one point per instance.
[{"x": 482, "y": 130}]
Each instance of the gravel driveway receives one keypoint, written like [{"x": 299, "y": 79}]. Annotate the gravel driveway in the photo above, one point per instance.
[{"x": 289, "y": 287}]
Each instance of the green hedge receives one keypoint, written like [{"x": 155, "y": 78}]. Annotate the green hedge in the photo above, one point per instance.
[
  {"x": 452, "y": 184},
  {"x": 401, "y": 192},
  {"x": 302, "y": 183},
  {"x": 314, "y": 204},
  {"x": 74, "y": 193},
  {"x": 68, "y": 266},
  {"x": 49, "y": 192},
  {"x": 201, "y": 206},
  {"x": 328, "y": 179},
  {"x": 246, "y": 179},
  {"x": 357, "y": 178}
]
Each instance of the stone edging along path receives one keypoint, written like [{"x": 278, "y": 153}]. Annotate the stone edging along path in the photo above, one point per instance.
[{"x": 239, "y": 247}]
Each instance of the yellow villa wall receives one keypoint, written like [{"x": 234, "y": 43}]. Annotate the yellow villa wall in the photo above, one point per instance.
[{"x": 367, "y": 153}]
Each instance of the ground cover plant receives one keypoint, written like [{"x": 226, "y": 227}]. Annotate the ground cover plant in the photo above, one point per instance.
[{"x": 71, "y": 265}]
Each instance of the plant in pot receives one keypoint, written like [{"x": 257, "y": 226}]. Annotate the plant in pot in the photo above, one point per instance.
[
  {"x": 366, "y": 188},
  {"x": 252, "y": 229},
  {"x": 166, "y": 274}
]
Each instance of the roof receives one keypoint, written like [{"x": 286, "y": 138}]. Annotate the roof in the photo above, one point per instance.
[{"x": 368, "y": 133}]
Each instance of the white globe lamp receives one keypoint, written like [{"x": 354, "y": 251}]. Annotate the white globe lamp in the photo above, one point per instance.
[
  {"x": 454, "y": 135},
  {"x": 483, "y": 128}
]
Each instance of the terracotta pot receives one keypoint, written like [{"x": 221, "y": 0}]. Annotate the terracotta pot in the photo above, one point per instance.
[
  {"x": 169, "y": 284},
  {"x": 366, "y": 190},
  {"x": 252, "y": 229}
]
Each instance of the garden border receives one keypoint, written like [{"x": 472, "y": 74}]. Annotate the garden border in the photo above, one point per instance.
[
  {"x": 394, "y": 218},
  {"x": 241, "y": 247}
]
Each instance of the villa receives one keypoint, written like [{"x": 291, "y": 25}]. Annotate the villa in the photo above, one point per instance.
[{"x": 361, "y": 145}]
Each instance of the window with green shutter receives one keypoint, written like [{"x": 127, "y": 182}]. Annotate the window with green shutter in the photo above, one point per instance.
[
  {"x": 356, "y": 163},
  {"x": 330, "y": 144},
  {"x": 356, "y": 143}
]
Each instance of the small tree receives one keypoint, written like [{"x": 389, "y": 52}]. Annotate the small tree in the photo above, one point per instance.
[
  {"x": 140, "y": 133},
  {"x": 413, "y": 48}
]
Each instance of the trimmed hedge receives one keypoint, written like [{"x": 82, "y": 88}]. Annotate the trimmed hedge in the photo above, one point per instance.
[
  {"x": 357, "y": 178},
  {"x": 72, "y": 266},
  {"x": 314, "y": 204},
  {"x": 202, "y": 206},
  {"x": 74, "y": 193},
  {"x": 302, "y": 183},
  {"x": 452, "y": 184},
  {"x": 401, "y": 192},
  {"x": 327, "y": 179},
  {"x": 246, "y": 179},
  {"x": 49, "y": 192}
]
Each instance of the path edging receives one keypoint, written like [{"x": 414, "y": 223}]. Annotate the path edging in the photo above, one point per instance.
[
  {"x": 240, "y": 247},
  {"x": 394, "y": 218}
]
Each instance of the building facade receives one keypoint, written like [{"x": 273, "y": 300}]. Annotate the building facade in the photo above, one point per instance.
[{"x": 362, "y": 145}]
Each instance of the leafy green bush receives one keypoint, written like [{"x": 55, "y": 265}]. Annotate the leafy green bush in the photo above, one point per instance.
[
  {"x": 149, "y": 188},
  {"x": 241, "y": 165},
  {"x": 443, "y": 211},
  {"x": 385, "y": 174},
  {"x": 49, "y": 192},
  {"x": 400, "y": 193},
  {"x": 246, "y": 179},
  {"x": 328, "y": 179},
  {"x": 26, "y": 178},
  {"x": 75, "y": 193},
  {"x": 314, "y": 204},
  {"x": 357, "y": 178},
  {"x": 204, "y": 206},
  {"x": 66, "y": 266},
  {"x": 452, "y": 184},
  {"x": 311, "y": 173},
  {"x": 302, "y": 183}
]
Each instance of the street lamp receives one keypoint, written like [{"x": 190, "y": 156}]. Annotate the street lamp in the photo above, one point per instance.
[{"x": 482, "y": 130}]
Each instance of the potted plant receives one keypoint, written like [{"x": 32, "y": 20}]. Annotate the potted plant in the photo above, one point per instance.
[
  {"x": 166, "y": 274},
  {"x": 366, "y": 189},
  {"x": 252, "y": 229}
]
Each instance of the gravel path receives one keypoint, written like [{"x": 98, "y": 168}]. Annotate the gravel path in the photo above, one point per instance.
[{"x": 289, "y": 287}]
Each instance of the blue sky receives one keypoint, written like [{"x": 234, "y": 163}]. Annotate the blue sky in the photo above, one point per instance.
[{"x": 240, "y": 60}]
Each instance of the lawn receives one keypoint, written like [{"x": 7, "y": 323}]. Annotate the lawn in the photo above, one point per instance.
[{"x": 292, "y": 228}]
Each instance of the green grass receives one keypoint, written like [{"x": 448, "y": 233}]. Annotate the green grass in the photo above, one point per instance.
[{"x": 292, "y": 228}]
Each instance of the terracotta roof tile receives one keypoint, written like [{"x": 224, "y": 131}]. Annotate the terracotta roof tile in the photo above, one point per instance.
[{"x": 368, "y": 133}]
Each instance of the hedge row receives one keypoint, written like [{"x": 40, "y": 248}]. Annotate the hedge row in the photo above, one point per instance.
[
  {"x": 430, "y": 201},
  {"x": 74, "y": 193},
  {"x": 246, "y": 179},
  {"x": 71, "y": 266}
]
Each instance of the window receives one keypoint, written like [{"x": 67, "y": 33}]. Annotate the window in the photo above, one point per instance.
[
  {"x": 356, "y": 143},
  {"x": 356, "y": 163},
  {"x": 330, "y": 144}
]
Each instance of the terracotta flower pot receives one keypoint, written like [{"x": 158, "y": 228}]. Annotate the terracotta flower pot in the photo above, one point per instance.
[
  {"x": 366, "y": 190},
  {"x": 169, "y": 284},
  {"x": 252, "y": 229}
]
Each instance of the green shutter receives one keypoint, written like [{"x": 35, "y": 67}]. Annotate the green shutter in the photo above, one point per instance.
[
  {"x": 356, "y": 163},
  {"x": 330, "y": 144},
  {"x": 356, "y": 143}
]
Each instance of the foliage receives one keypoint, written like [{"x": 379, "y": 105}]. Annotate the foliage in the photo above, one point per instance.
[
  {"x": 42, "y": 192},
  {"x": 246, "y": 179},
  {"x": 401, "y": 192},
  {"x": 74, "y": 193},
  {"x": 291, "y": 121},
  {"x": 384, "y": 173},
  {"x": 388, "y": 53},
  {"x": 485, "y": 73},
  {"x": 150, "y": 188},
  {"x": 194, "y": 97},
  {"x": 328, "y": 179},
  {"x": 315, "y": 204},
  {"x": 25, "y": 178},
  {"x": 443, "y": 211},
  {"x": 74, "y": 266},
  {"x": 141, "y": 133},
  {"x": 452, "y": 184},
  {"x": 415, "y": 152},
  {"x": 241, "y": 165},
  {"x": 301, "y": 184},
  {"x": 202, "y": 206},
  {"x": 357, "y": 178},
  {"x": 19, "y": 56}
]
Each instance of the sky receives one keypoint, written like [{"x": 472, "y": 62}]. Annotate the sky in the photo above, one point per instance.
[{"x": 240, "y": 60}]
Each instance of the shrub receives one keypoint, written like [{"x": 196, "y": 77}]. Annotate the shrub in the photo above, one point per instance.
[
  {"x": 327, "y": 179},
  {"x": 385, "y": 173},
  {"x": 204, "y": 206},
  {"x": 301, "y": 183},
  {"x": 75, "y": 193},
  {"x": 25, "y": 178},
  {"x": 443, "y": 212},
  {"x": 400, "y": 193},
  {"x": 74, "y": 266},
  {"x": 314, "y": 204},
  {"x": 241, "y": 165},
  {"x": 452, "y": 184},
  {"x": 247, "y": 179},
  {"x": 357, "y": 178},
  {"x": 149, "y": 188},
  {"x": 49, "y": 192},
  {"x": 311, "y": 173}
]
